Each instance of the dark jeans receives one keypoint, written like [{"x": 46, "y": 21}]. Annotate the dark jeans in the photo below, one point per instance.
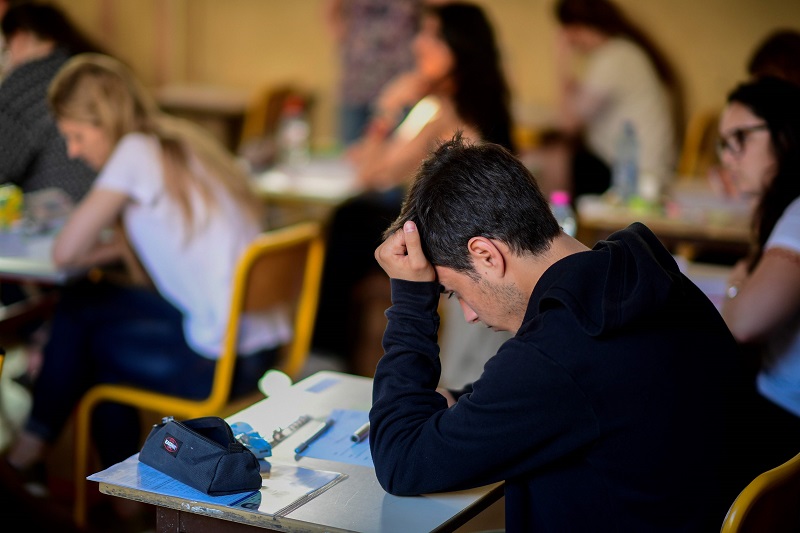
[
  {"x": 355, "y": 231},
  {"x": 104, "y": 333},
  {"x": 590, "y": 175}
]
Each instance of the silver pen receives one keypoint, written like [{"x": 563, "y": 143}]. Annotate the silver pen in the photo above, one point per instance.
[
  {"x": 317, "y": 434},
  {"x": 361, "y": 433}
]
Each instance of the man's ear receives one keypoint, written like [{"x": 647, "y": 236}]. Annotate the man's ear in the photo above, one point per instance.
[{"x": 487, "y": 257}]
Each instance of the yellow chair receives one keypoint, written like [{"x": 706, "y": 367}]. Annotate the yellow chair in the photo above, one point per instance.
[
  {"x": 698, "y": 152},
  {"x": 280, "y": 268},
  {"x": 770, "y": 503}
]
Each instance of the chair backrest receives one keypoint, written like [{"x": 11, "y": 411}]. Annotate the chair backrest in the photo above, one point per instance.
[
  {"x": 770, "y": 503},
  {"x": 264, "y": 112},
  {"x": 698, "y": 153},
  {"x": 281, "y": 269}
]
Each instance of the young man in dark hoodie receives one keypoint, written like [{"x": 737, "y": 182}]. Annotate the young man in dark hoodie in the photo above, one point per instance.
[{"x": 605, "y": 412}]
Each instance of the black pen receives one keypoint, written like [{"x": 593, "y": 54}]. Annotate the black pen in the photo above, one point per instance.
[{"x": 317, "y": 434}]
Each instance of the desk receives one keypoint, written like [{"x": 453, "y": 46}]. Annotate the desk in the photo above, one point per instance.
[
  {"x": 356, "y": 504},
  {"x": 27, "y": 258},
  {"x": 309, "y": 191},
  {"x": 692, "y": 218}
]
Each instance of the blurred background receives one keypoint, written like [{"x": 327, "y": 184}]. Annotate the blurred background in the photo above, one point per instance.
[{"x": 235, "y": 48}]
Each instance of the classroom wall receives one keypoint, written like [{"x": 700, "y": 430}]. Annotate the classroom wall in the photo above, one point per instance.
[{"x": 249, "y": 44}]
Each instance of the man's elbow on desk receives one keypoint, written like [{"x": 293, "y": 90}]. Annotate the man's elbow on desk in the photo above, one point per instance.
[
  {"x": 394, "y": 484},
  {"x": 400, "y": 474}
]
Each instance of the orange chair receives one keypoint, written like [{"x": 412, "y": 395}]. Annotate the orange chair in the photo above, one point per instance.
[
  {"x": 769, "y": 504},
  {"x": 281, "y": 268}
]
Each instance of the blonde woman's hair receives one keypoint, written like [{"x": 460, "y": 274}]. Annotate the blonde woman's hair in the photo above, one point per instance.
[{"x": 101, "y": 91}]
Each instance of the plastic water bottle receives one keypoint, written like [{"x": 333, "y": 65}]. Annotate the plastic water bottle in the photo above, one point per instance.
[
  {"x": 294, "y": 133},
  {"x": 562, "y": 210},
  {"x": 625, "y": 173}
]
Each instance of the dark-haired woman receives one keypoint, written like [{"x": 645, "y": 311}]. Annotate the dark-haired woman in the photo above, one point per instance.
[
  {"x": 457, "y": 84},
  {"x": 760, "y": 145},
  {"x": 39, "y": 39}
]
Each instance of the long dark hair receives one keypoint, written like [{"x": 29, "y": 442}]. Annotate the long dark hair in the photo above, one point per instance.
[
  {"x": 482, "y": 97},
  {"x": 47, "y": 22},
  {"x": 777, "y": 102},
  {"x": 607, "y": 18}
]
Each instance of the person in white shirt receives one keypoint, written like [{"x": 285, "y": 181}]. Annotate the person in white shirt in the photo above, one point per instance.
[
  {"x": 188, "y": 212},
  {"x": 759, "y": 144},
  {"x": 625, "y": 79}
]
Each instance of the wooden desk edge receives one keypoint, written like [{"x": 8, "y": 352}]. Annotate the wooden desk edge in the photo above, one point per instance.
[
  {"x": 668, "y": 228},
  {"x": 219, "y": 512},
  {"x": 281, "y": 523},
  {"x": 465, "y": 516}
]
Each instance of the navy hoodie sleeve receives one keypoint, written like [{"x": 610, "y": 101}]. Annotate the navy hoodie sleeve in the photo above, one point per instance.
[{"x": 524, "y": 412}]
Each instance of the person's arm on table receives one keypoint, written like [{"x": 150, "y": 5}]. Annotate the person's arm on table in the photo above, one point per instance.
[
  {"x": 496, "y": 432},
  {"x": 78, "y": 243}
]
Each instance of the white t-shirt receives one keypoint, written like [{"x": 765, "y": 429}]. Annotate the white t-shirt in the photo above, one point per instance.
[
  {"x": 621, "y": 84},
  {"x": 779, "y": 378},
  {"x": 194, "y": 274}
]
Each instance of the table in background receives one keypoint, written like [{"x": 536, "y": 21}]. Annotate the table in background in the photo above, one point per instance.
[
  {"x": 306, "y": 192},
  {"x": 694, "y": 219},
  {"x": 28, "y": 258},
  {"x": 356, "y": 504},
  {"x": 25, "y": 259}
]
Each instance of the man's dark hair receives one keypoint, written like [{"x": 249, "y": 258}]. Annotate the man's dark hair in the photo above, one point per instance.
[{"x": 463, "y": 191}]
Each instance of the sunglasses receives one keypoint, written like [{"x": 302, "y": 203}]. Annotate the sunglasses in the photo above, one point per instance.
[{"x": 734, "y": 141}]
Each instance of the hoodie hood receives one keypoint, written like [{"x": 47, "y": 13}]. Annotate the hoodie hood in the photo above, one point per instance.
[{"x": 629, "y": 276}]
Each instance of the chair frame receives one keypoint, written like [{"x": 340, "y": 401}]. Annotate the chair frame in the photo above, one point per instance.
[
  {"x": 698, "y": 139},
  {"x": 756, "y": 493},
  {"x": 307, "y": 234}
]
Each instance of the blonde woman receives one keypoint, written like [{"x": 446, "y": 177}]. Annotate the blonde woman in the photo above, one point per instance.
[{"x": 188, "y": 212}]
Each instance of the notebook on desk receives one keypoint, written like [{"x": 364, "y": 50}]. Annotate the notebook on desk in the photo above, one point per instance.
[{"x": 283, "y": 490}]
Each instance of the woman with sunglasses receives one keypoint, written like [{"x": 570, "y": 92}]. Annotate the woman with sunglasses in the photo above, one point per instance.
[{"x": 760, "y": 145}]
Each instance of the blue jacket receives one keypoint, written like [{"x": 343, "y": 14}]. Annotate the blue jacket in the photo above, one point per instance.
[{"x": 604, "y": 413}]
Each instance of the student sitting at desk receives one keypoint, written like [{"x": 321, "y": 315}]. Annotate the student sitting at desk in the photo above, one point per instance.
[
  {"x": 458, "y": 84},
  {"x": 39, "y": 39},
  {"x": 605, "y": 411},
  {"x": 760, "y": 146},
  {"x": 626, "y": 79},
  {"x": 188, "y": 211}
]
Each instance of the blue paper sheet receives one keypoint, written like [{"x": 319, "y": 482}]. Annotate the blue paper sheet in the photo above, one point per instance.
[{"x": 335, "y": 444}]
